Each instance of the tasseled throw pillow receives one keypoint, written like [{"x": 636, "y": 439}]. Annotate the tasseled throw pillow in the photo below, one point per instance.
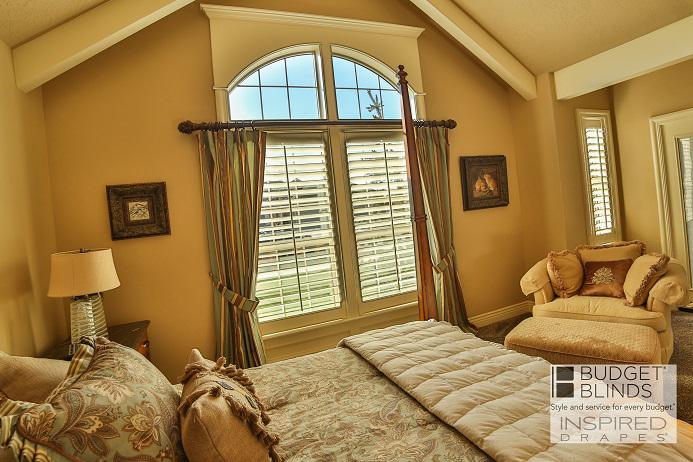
[
  {"x": 221, "y": 417},
  {"x": 605, "y": 278},
  {"x": 641, "y": 277},
  {"x": 565, "y": 272}
]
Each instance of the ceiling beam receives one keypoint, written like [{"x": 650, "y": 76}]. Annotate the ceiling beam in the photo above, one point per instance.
[
  {"x": 664, "y": 47},
  {"x": 60, "y": 49},
  {"x": 474, "y": 38}
]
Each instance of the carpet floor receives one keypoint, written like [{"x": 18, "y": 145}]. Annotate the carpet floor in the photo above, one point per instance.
[{"x": 682, "y": 324}]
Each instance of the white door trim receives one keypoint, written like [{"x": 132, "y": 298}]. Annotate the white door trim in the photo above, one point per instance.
[{"x": 657, "y": 124}]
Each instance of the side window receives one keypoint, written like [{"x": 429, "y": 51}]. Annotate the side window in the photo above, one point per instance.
[{"x": 598, "y": 162}]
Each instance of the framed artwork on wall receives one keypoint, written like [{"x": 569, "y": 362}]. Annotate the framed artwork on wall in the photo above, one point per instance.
[
  {"x": 138, "y": 210},
  {"x": 484, "y": 182}
]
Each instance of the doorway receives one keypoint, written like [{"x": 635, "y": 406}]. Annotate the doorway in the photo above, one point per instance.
[{"x": 672, "y": 147}]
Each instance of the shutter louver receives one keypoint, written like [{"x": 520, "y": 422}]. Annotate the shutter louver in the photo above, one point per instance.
[
  {"x": 297, "y": 266},
  {"x": 686, "y": 155},
  {"x": 599, "y": 187},
  {"x": 382, "y": 217}
]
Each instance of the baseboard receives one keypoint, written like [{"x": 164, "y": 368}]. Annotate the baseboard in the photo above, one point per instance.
[{"x": 501, "y": 314}]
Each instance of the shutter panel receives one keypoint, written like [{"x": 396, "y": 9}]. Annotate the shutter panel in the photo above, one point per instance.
[
  {"x": 382, "y": 215},
  {"x": 598, "y": 167},
  {"x": 297, "y": 266},
  {"x": 685, "y": 154}
]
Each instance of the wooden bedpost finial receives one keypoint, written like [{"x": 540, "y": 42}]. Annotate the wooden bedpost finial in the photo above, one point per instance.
[
  {"x": 185, "y": 127},
  {"x": 402, "y": 74}
]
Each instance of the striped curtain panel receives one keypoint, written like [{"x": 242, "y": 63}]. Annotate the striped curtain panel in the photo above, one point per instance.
[
  {"x": 434, "y": 157},
  {"x": 232, "y": 164}
]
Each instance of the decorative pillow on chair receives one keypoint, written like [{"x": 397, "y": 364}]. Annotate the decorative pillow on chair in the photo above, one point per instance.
[
  {"x": 605, "y": 278},
  {"x": 565, "y": 272},
  {"x": 221, "y": 418},
  {"x": 30, "y": 379},
  {"x": 642, "y": 275},
  {"x": 113, "y": 405},
  {"x": 611, "y": 252}
]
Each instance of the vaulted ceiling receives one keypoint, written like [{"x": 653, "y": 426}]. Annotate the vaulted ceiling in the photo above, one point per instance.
[
  {"x": 547, "y": 35},
  {"x": 21, "y": 20}
]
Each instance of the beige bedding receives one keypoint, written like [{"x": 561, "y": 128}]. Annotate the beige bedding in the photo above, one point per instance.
[
  {"x": 334, "y": 406},
  {"x": 497, "y": 398}
]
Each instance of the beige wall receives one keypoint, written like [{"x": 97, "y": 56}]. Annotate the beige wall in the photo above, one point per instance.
[
  {"x": 635, "y": 101},
  {"x": 112, "y": 120},
  {"x": 29, "y": 321},
  {"x": 551, "y": 181}
]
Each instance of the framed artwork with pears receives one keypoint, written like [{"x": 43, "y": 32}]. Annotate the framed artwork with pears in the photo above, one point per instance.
[{"x": 484, "y": 182}]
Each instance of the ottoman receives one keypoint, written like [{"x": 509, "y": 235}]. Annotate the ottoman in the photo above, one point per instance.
[{"x": 573, "y": 341}]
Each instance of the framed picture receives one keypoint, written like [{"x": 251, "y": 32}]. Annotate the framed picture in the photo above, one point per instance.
[
  {"x": 138, "y": 210},
  {"x": 484, "y": 182}
]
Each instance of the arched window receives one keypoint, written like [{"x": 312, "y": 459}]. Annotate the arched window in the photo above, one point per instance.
[
  {"x": 284, "y": 89},
  {"x": 362, "y": 93}
]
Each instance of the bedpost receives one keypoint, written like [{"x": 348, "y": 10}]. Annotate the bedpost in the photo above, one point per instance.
[{"x": 427, "y": 291}]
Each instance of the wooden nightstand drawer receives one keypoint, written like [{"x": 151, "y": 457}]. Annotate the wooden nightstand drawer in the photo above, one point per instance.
[{"x": 134, "y": 335}]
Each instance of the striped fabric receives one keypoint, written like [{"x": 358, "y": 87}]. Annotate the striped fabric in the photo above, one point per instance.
[
  {"x": 232, "y": 164},
  {"x": 434, "y": 157}
]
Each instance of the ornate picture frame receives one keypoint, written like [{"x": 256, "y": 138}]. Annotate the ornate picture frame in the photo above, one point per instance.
[
  {"x": 484, "y": 182},
  {"x": 138, "y": 210}
]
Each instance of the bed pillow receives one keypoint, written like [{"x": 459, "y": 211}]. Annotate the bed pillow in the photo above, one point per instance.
[
  {"x": 218, "y": 402},
  {"x": 565, "y": 272},
  {"x": 611, "y": 252},
  {"x": 605, "y": 278},
  {"x": 30, "y": 379},
  {"x": 642, "y": 275},
  {"x": 113, "y": 405}
]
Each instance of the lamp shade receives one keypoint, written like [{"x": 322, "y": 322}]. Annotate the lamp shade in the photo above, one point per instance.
[{"x": 82, "y": 272}]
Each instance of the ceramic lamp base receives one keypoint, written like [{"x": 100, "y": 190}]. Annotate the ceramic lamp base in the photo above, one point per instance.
[{"x": 87, "y": 319}]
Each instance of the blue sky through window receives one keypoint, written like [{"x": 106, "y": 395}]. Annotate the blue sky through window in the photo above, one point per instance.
[
  {"x": 283, "y": 89},
  {"x": 363, "y": 94}
]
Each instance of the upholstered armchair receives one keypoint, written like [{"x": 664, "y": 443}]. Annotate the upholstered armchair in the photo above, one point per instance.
[{"x": 670, "y": 291}]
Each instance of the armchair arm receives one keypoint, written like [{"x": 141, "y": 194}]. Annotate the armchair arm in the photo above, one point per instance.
[
  {"x": 672, "y": 288},
  {"x": 536, "y": 281}
]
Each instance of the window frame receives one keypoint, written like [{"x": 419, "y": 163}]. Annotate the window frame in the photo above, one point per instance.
[
  {"x": 589, "y": 118},
  {"x": 335, "y": 137}
]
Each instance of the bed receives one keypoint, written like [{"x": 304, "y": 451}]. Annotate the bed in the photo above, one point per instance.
[{"x": 425, "y": 391}]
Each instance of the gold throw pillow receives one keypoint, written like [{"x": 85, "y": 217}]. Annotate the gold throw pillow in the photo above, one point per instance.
[
  {"x": 641, "y": 277},
  {"x": 221, "y": 417},
  {"x": 611, "y": 252},
  {"x": 605, "y": 278},
  {"x": 565, "y": 272}
]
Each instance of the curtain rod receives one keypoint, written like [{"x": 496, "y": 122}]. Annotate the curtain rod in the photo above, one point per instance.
[{"x": 188, "y": 127}]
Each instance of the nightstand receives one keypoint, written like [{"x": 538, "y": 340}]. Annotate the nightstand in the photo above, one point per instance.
[{"x": 134, "y": 335}]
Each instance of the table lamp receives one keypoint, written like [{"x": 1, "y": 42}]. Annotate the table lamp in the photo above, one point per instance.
[{"x": 83, "y": 274}]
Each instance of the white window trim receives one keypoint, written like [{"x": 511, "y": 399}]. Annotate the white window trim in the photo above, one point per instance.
[{"x": 583, "y": 117}]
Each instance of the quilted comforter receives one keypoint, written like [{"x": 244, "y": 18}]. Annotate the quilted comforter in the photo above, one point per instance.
[{"x": 495, "y": 397}]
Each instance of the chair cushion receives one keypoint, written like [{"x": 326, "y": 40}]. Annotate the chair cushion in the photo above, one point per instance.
[
  {"x": 30, "y": 379},
  {"x": 642, "y": 275},
  {"x": 605, "y": 309},
  {"x": 570, "y": 341},
  {"x": 605, "y": 278},
  {"x": 610, "y": 252},
  {"x": 217, "y": 402},
  {"x": 113, "y": 405},
  {"x": 565, "y": 272}
]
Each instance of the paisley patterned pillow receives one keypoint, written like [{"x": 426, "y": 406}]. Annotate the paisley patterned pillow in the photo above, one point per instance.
[{"x": 113, "y": 405}]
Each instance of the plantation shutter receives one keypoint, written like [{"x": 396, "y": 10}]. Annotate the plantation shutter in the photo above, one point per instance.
[
  {"x": 598, "y": 169},
  {"x": 297, "y": 268},
  {"x": 381, "y": 214}
]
